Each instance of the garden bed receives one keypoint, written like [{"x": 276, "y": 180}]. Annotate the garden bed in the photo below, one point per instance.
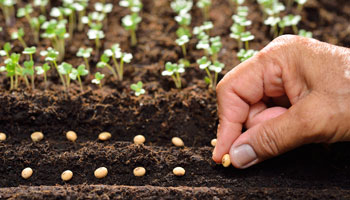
[{"x": 310, "y": 172}]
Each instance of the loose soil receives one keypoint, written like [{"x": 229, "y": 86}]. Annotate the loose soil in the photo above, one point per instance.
[{"x": 310, "y": 172}]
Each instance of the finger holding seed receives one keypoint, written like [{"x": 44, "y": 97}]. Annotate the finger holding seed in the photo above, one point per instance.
[
  {"x": 67, "y": 175},
  {"x": 101, "y": 172},
  {"x": 71, "y": 136},
  {"x": 27, "y": 173},
  {"x": 179, "y": 171},
  {"x": 2, "y": 136},
  {"x": 139, "y": 171},
  {"x": 177, "y": 142},
  {"x": 226, "y": 161},
  {"x": 139, "y": 139},
  {"x": 37, "y": 136},
  {"x": 104, "y": 136}
]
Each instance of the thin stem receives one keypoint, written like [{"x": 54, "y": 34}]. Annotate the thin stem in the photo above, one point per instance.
[
  {"x": 11, "y": 84},
  {"x": 121, "y": 69},
  {"x": 184, "y": 50},
  {"x": 112, "y": 70},
  {"x": 87, "y": 64},
  {"x": 178, "y": 79},
  {"x": 281, "y": 31},
  {"x": 246, "y": 45},
  {"x": 45, "y": 80},
  {"x": 22, "y": 42},
  {"x": 26, "y": 81},
  {"x": 133, "y": 38},
  {"x": 209, "y": 76},
  {"x": 61, "y": 77},
  {"x": 98, "y": 45},
  {"x": 117, "y": 67},
  {"x": 215, "y": 80},
  {"x": 295, "y": 29},
  {"x": 80, "y": 23},
  {"x": 81, "y": 85}
]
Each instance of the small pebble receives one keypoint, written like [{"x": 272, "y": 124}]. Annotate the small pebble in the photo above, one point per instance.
[
  {"x": 179, "y": 171},
  {"x": 71, "y": 135},
  {"x": 139, "y": 139},
  {"x": 177, "y": 142},
  {"x": 27, "y": 172},
  {"x": 213, "y": 142},
  {"x": 226, "y": 161},
  {"x": 139, "y": 171},
  {"x": 2, "y": 136},
  {"x": 37, "y": 136},
  {"x": 67, "y": 175},
  {"x": 101, "y": 172},
  {"x": 104, "y": 136}
]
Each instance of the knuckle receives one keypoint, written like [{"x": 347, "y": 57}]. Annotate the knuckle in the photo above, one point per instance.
[{"x": 267, "y": 138}]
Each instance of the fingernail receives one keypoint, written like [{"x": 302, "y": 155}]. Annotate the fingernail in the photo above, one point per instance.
[{"x": 243, "y": 156}]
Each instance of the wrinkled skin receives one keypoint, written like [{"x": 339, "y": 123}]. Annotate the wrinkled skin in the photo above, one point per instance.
[{"x": 293, "y": 92}]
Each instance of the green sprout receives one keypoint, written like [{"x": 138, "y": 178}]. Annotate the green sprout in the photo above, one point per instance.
[
  {"x": 245, "y": 54},
  {"x": 181, "y": 6},
  {"x": 273, "y": 22},
  {"x": 289, "y": 20},
  {"x": 98, "y": 78},
  {"x": 215, "y": 67},
  {"x": 43, "y": 70},
  {"x": 36, "y": 23},
  {"x": 96, "y": 33},
  {"x": 29, "y": 65},
  {"x": 174, "y": 70},
  {"x": 65, "y": 69},
  {"x": 6, "y": 50},
  {"x": 237, "y": 3},
  {"x": 78, "y": 73},
  {"x": 42, "y": 4},
  {"x": 204, "y": 29},
  {"x": 86, "y": 54},
  {"x": 305, "y": 33},
  {"x": 137, "y": 88},
  {"x": 80, "y": 7},
  {"x": 300, "y": 4},
  {"x": 205, "y": 6},
  {"x": 51, "y": 56},
  {"x": 14, "y": 69},
  {"x": 133, "y": 5},
  {"x": 8, "y": 9},
  {"x": 182, "y": 43},
  {"x": 130, "y": 23},
  {"x": 238, "y": 29},
  {"x": 104, "y": 63},
  {"x": 18, "y": 35},
  {"x": 115, "y": 53},
  {"x": 271, "y": 8},
  {"x": 104, "y": 8}
]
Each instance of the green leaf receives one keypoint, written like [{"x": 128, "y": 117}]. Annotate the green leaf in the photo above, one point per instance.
[
  {"x": 29, "y": 50},
  {"x": 7, "y": 47},
  {"x": 82, "y": 71},
  {"x": 207, "y": 80},
  {"x": 104, "y": 58},
  {"x": 28, "y": 64}
]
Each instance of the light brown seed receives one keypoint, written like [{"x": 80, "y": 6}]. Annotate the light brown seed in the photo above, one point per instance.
[
  {"x": 104, "y": 136},
  {"x": 177, "y": 142},
  {"x": 27, "y": 173},
  {"x": 179, "y": 171},
  {"x": 71, "y": 135},
  {"x": 226, "y": 161},
  {"x": 139, "y": 139},
  {"x": 2, "y": 136},
  {"x": 67, "y": 175},
  {"x": 213, "y": 142},
  {"x": 37, "y": 136},
  {"x": 101, "y": 172},
  {"x": 139, "y": 171}
]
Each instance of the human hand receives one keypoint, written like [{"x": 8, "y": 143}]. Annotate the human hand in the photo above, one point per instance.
[{"x": 308, "y": 83}]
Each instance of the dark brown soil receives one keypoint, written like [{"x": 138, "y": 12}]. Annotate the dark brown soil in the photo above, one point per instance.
[{"x": 310, "y": 172}]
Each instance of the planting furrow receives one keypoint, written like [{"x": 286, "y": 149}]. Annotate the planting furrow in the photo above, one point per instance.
[
  {"x": 49, "y": 159},
  {"x": 156, "y": 192}
]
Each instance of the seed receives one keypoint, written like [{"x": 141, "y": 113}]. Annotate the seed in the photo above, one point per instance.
[
  {"x": 67, "y": 175},
  {"x": 139, "y": 171},
  {"x": 139, "y": 139},
  {"x": 177, "y": 142},
  {"x": 104, "y": 136},
  {"x": 27, "y": 172},
  {"x": 71, "y": 135},
  {"x": 37, "y": 136},
  {"x": 226, "y": 161},
  {"x": 179, "y": 171},
  {"x": 101, "y": 172},
  {"x": 2, "y": 136},
  {"x": 213, "y": 142}
]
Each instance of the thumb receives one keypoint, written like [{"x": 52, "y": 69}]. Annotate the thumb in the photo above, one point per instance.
[{"x": 302, "y": 123}]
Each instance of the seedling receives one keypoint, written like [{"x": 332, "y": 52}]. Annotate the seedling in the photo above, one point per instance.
[
  {"x": 86, "y": 54},
  {"x": 174, "y": 70},
  {"x": 104, "y": 8},
  {"x": 133, "y": 5},
  {"x": 181, "y": 6},
  {"x": 71, "y": 136},
  {"x": 130, "y": 23},
  {"x": 237, "y": 3},
  {"x": 177, "y": 142},
  {"x": 205, "y": 6},
  {"x": 43, "y": 70},
  {"x": 139, "y": 139},
  {"x": 27, "y": 173},
  {"x": 104, "y": 136},
  {"x": 42, "y": 4},
  {"x": 29, "y": 65},
  {"x": 305, "y": 33},
  {"x": 98, "y": 78},
  {"x": 37, "y": 136},
  {"x": 244, "y": 54},
  {"x": 104, "y": 63},
  {"x": 14, "y": 70},
  {"x": 226, "y": 161},
  {"x": 289, "y": 20},
  {"x": 51, "y": 56},
  {"x": 80, "y": 7},
  {"x": 139, "y": 171},
  {"x": 36, "y": 23},
  {"x": 67, "y": 175},
  {"x": 203, "y": 29},
  {"x": 6, "y": 50},
  {"x": 115, "y": 53},
  {"x": 238, "y": 29},
  {"x": 18, "y": 35},
  {"x": 78, "y": 73},
  {"x": 2, "y": 137},
  {"x": 273, "y": 22},
  {"x": 66, "y": 69},
  {"x": 101, "y": 172},
  {"x": 215, "y": 67},
  {"x": 179, "y": 171},
  {"x": 300, "y": 4},
  {"x": 96, "y": 33},
  {"x": 8, "y": 9},
  {"x": 137, "y": 88},
  {"x": 182, "y": 41}
]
